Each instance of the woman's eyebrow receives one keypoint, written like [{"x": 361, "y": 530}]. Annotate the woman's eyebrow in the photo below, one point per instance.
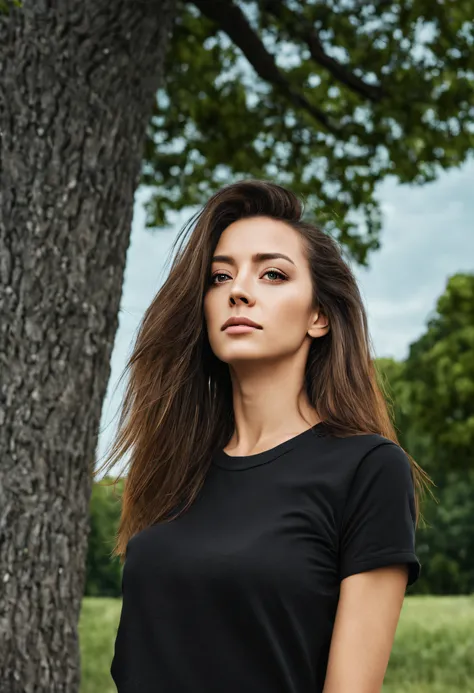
[{"x": 258, "y": 257}]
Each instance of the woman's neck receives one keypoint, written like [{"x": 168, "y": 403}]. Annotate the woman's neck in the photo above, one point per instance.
[{"x": 270, "y": 406}]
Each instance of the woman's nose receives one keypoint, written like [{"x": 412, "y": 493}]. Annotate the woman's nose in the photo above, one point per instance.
[
  {"x": 240, "y": 295},
  {"x": 239, "y": 299}
]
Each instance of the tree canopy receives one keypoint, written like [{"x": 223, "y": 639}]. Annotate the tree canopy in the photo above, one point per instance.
[
  {"x": 440, "y": 373},
  {"x": 328, "y": 97}
]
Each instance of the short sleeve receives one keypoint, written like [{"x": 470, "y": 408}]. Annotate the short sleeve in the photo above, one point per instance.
[{"x": 378, "y": 524}]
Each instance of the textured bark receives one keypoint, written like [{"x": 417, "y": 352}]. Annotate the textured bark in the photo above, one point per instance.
[{"x": 77, "y": 83}]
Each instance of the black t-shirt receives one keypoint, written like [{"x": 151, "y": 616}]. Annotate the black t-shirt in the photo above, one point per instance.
[{"x": 239, "y": 594}]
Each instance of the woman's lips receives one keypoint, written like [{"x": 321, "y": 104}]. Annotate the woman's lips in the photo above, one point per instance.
[{"x": 240, "y": 329}]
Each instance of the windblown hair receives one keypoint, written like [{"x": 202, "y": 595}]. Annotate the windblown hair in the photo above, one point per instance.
[{"x": 177, "y": 409}]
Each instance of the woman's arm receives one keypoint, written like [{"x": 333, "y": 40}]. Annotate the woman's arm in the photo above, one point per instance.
[{"x": 364, "y": 630}]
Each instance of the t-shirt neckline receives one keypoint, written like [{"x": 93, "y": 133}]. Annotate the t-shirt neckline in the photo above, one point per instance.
[{"x": 235, "y": 462}]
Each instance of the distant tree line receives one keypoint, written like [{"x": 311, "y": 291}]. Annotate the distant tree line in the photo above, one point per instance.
[{"x": 432, "y": 397}]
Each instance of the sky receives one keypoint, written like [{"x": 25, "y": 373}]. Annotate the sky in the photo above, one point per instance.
[{"x": 427, "y": 236}]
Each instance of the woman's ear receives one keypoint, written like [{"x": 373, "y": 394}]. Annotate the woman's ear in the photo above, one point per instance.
[{"x": 319, "y": 325}]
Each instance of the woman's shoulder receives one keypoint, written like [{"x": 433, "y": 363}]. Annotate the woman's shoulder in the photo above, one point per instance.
[
  {"x": 359, "y": 443},
  {"x": 343, "y": 455}
]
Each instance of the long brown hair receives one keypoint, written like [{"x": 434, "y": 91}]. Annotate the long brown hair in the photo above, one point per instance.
[{"x": 177, "y": 408}]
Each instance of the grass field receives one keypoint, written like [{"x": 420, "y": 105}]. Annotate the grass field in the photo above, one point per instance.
[{"x": 433, "y": 650}]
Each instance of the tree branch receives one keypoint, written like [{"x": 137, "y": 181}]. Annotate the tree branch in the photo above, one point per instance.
[
  {"x": 303, "y": 30},
  {"x": 233, "y": 22}
]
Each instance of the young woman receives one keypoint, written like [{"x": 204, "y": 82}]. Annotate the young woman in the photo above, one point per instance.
[{"x": 269, "y": 514}]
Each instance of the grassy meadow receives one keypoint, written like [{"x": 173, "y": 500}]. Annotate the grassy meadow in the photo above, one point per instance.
[{"x": 433, "y": 650}]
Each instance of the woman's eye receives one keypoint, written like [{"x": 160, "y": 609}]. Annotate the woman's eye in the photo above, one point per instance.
[
  {"x": 220, "y": 277},
  {"x": 219, "y": 274},
  {"x": 276, "y": 274}
]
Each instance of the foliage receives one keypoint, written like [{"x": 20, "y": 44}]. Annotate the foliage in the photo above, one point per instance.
[
  {"x": 327, "y": 97},
  {"x": 7, "y": 5},
  {"x": 103, "y": 572},
  {"x": 393, "y": 376},
  {"x": 433, "y": 394},
  {"x": 440, "y": 372},
  {"x": 446, "y": 548}
]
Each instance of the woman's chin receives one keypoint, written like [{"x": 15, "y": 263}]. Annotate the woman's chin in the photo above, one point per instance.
[
  {"x": 247, "y": 356},
  {"x": 241, "y": 357}
]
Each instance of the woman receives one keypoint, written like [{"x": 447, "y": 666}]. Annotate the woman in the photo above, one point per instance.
[{"x": 269, "y": 514}]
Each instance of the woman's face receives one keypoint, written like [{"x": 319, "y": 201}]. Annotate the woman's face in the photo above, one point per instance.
[{"x": 276, "y": 293}]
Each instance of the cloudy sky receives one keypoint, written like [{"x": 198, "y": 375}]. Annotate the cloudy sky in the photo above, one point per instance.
[{"x": 428, "y": 235}]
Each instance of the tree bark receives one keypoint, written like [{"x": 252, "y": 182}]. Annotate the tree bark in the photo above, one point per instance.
[{"x": 77, "y": 83}]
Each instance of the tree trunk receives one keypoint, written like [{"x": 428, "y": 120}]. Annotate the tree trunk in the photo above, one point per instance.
[{"x": 78, "y": 78}]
